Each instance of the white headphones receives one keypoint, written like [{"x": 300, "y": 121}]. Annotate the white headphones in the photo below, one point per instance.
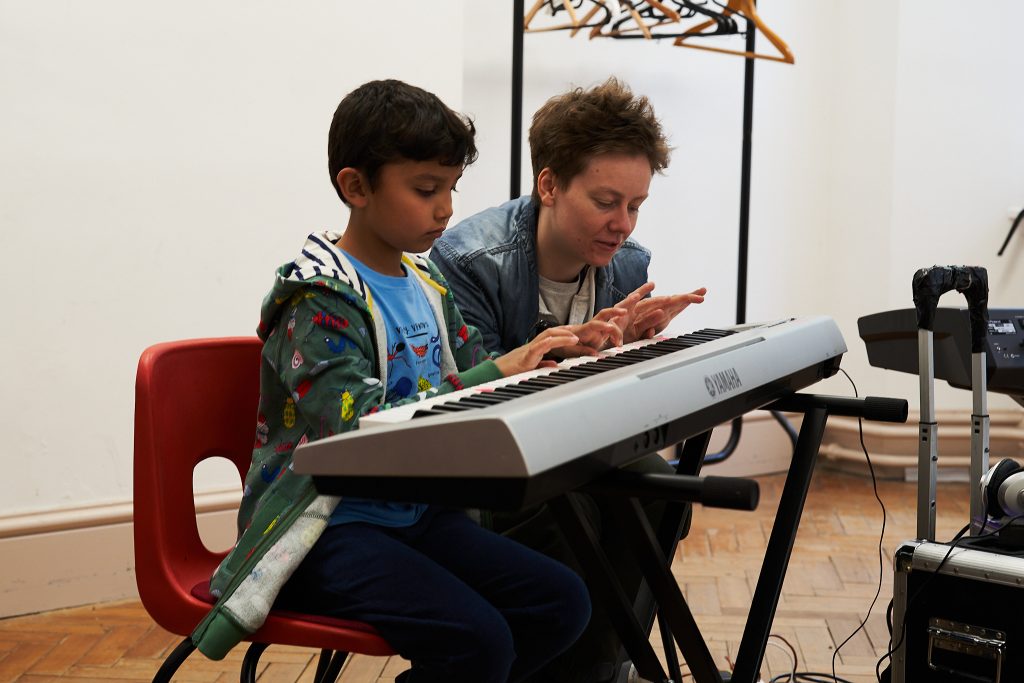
[{"x": 1003, "y": 489}]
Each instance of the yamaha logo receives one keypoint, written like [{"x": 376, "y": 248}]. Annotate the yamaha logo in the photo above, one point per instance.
[{"x": 722, "y": 382}]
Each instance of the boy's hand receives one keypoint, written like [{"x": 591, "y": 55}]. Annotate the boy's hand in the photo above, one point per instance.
[
  {"x": 531, "y": 355},
  {"x": 600, "y": 332}
]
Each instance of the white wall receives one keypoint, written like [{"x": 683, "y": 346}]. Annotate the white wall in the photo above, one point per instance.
[
  {"x": 159, "y": 162},
  {"x": 956, "y": 158}
]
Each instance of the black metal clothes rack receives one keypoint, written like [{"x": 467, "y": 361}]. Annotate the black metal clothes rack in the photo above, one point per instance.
[{"x": 515, "y": 166}]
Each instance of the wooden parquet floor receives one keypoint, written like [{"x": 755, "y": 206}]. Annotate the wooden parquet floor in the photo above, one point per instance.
[{"x": 833, "y": 574}]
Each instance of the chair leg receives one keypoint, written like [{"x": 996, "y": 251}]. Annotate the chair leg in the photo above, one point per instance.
[
  {"x": 174, "y": 661},
  {"x": 249, "y": 663},
  {"x": 322, "y": 664},
  {"x": 331, "y": 674}
]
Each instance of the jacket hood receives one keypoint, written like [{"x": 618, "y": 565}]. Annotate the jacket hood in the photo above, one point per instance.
[{"x": 318, "y": 263}]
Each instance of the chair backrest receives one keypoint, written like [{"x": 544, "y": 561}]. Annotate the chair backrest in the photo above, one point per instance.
[{"x": 194, "y": 400}]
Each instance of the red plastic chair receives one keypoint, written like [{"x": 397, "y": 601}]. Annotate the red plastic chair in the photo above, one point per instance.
[{"x": 195, "y": 400}]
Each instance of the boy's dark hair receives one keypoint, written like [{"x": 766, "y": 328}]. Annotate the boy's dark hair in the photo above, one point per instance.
[
  {"x": 384, "y": 121},
  {"x": 572, "y": 128}
]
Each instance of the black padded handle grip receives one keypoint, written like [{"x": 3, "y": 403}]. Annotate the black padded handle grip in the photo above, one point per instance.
[
  {"x": 972, "y": 281},
  {"x": 870, "y": 407},
  {"x": 976, "y": 293},
  {"x": 734, "y": 493},
  {"x": 882, "y": 409}
]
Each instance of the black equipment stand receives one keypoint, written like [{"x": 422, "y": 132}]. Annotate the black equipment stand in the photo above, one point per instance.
[{"x": 654, "y": 550}]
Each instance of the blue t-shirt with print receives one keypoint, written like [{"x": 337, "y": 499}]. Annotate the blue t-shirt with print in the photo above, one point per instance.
[{"x": 414, "y": 365}]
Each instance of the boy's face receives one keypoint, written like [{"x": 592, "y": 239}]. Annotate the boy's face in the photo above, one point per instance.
[
  {"x": 598, "y": 210},
  {"x": 411, "y": 203}
]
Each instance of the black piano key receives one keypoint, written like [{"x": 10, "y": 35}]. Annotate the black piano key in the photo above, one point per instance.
[
  {"x": 545, "y": 381},
  {"x": 679, "y": 344},
  {"x": 427, "y": 412},
  {"x": 640, "y": 354},
  {"x": 574, "y": 373},
  {"x": 560, "y": 377},
  {"x": 514, "y": 390},
  {"x": 480, "y": 400},
  {"x": 613, "y": 362},
  {"x": 590, "y": 368},
  {"x": 452, "y": 407}
]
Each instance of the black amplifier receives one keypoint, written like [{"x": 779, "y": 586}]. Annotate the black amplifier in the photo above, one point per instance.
[
  {"x": 891, "y": 341},
  {"x": 964, "y": 622}
]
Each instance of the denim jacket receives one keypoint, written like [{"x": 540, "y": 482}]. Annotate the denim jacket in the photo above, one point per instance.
[{"x": 489, "y": 260}]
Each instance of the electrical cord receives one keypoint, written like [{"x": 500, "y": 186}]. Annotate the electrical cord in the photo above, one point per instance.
[
  {"x": 790, "y": 650},
  {"x": 809, "y": 677},
  {"x": 818, "y": 677},
  {"x": 881, "y": 535},
  {"x": 903, "y": 627}
]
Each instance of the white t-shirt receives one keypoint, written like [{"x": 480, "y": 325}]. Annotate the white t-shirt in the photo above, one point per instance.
[{"x": 567, "y": 303}]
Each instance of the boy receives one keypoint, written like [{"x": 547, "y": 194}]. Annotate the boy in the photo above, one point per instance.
[
  {"x": 564, "y": 256},
  {"x": 355, "y": 324}
]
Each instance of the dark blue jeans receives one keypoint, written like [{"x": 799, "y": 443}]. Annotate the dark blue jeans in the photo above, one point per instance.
[{"x": 464, "y": 604}]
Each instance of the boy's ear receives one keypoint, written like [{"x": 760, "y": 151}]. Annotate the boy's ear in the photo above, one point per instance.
[
  {"x": 354, "y": 186},
  {"x": 547, "y": 186}
]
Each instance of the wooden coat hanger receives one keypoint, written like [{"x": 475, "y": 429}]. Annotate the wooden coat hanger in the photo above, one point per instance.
[
  {"x": 575, "y": 22},
  {"x": 743, "y": 8},
  {"x": 627, "y": 12},
  {"x": 645, "y": 16},
  {"x": 657, "y": 15}
]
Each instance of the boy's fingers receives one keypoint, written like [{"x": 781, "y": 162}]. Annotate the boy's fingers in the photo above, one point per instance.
[
  {"x": 578, "y": 350},
  {"x": 558, "y": 338}
]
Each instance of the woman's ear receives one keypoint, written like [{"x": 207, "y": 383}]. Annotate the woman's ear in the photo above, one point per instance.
[
  {"x": 547, "y": 186},
  {"x": 354, "y": 186}
]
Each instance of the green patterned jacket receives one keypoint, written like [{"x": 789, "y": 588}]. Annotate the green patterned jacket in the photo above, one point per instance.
[{"x": 324, "y": 363}]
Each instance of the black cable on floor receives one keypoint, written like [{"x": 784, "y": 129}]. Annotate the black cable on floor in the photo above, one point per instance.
[{"x": 881, "y": 536}]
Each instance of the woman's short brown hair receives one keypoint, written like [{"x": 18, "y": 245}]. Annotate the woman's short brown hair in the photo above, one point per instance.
[{"x": 572, "y": 128}]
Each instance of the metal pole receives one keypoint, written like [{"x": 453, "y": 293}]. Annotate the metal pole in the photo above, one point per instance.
[
  {"x": 517, "y": 97},
  {"x": 748, "y": 119},
  {"x": 927, "y": 445},
  {"x": 979, "y": 438}
]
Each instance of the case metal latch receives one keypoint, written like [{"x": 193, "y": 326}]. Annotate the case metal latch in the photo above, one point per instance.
[{"x": 954, "y": 648}]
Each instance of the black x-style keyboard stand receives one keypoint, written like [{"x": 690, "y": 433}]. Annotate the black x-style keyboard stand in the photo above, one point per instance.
[{"x": 623, "y": 491}]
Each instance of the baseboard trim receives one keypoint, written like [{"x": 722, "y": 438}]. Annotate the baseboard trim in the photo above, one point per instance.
[
  {"x": 77, "y": 556},
  {"x": 87, "y": 516},
  {"x": 893, "y": 447}
]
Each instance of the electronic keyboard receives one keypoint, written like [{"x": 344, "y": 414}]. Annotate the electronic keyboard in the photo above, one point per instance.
[{"x": 523, "y": 439}]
